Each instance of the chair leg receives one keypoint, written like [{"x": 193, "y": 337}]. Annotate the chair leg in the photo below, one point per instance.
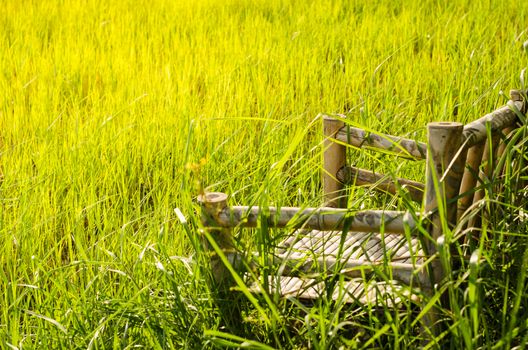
[
  {"x": 334, "y": 158},
  {"x": 445, "y": 168}
]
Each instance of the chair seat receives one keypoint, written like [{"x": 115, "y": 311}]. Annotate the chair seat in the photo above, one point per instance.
[
  {"x": 312, "y": 255},
  {"x": 357, "y": 290},
  {"x": 361, "y": 247}
]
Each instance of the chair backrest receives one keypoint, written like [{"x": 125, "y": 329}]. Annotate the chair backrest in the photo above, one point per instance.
[
  {"x": 458, "y": 158},
  {"x": 481, "y": 143},
  {"x": 336, "y": 174},
  {"x": 486, "y": 140}
]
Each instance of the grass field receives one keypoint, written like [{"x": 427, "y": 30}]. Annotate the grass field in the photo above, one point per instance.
[{"x": 112, "y": 114}]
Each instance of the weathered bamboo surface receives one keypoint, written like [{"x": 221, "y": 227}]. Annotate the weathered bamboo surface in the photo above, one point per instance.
[
  {"x": 398, "y": 145},
  {"x": 474, "y": 132},
  {"x": 443, "y": 177},
  {"x": 334, "y": 158},
  {"x": 504, "y": 141},
  {"x": 385, "y": 294},
  {"x": 404, "y": 273},
  {"x": 212, "y": 204},
  {"x": 317, "y": 218},
  {"x": 487, "y": 165},
  {"x": 470, "y": 177},
  {"x": 445, "y": 166},
  {"x": 361, "y": 177},
  {"x": 358, "y": 246},
  {"x": 502, "y": 118},
  {"x": 354, "y": 255}
]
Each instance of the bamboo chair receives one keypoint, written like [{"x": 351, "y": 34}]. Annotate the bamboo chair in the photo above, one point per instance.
[{"x": 335, "y": 241}]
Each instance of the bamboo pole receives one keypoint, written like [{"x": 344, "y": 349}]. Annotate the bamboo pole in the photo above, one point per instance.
[
  {"x": 398, "y": 145},
  {"x": 504, "y": 141},
  {"x": 476, "y": 131},
  {"x": 443, "y": 176},
  {"x": 469, "y": 179},
  {"x": 520, "y": 95},
  {"x": 334, "y": 158},
  {"x": 503, "y": 144},
  {"x": 323, "y": 219},
  {"x": 361, "y": 177},
  {"x": 295, "y": 266},
  {"x": 212, "y": 205},
  {"x": 503, "y": 121},
  {"x": 517, "y": 95},
  {"x": 488, "y": 161}
]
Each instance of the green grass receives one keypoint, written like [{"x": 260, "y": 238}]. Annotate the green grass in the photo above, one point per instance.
[{"x": 114, "y": 113}]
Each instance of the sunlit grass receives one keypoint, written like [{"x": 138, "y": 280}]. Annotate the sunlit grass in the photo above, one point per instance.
[{"x": 114, "y": 113}]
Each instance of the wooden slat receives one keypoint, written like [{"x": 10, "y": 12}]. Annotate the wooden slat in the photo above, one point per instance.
[
  {"x": 361, "y": 252},
  {"x": 409, "y": 256},
  {"x": 369, "y": 249},
  {"x": 389, "y": 294},
  {"x": 377, "y": 253},
  {"x": 391, "y": 242},
  {"x": 297, "y": 266},
  {"x": 361, "y": 177},
  {"x": 321, "y": 243},
  {"x": 327, "y": 244},
  {"x": 353, "y": 243}
]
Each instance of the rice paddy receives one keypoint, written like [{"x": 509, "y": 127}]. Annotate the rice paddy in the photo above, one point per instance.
[{"x": 112, "y": 114}]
